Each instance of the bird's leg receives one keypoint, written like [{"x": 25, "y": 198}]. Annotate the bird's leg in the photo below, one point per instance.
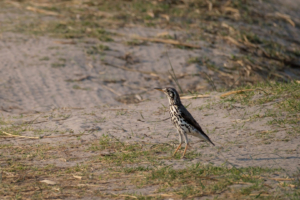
[
  {"x": 186, "y": 145},
  {"x": 180, "y": 142},
  {"x": 177, "y": 149},
  {"x": 184, "y": 150}
]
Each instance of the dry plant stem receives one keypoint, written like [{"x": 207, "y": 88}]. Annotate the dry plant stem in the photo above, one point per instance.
[
  {"x": 239, "y": 91},
  {"x": 112, "y": 90},
  {"x": 64, "y": 136},
  {"x": 196, "y": 96},
  {"x": 210, "y": 81},
  {"x": 160, "y": 120},
  {"x": 174, "y": 42},
  {"x": 234, "y": 92},
  {"x": 282, "y": 179},
  {"x": 46, "y": 12},
  {"x": 282, "y": 16},
  {"x": 11, "y": 135},
  {"x": 174, "y": 75}
]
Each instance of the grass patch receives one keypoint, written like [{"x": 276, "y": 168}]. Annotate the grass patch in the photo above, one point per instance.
[
  {"x": 284, "y": 97},
  {"x": 93, "y": 50},
  {"x": 77, "y": 87},
  {"x": 199, "y": 180},
  {"x": 68, "y": 29},
  {"x": 121, "y": 165},
  {"x": 135, "y": 42},
  {"x": 46, "y": 58},
  {"x": 58, "y": 65}
]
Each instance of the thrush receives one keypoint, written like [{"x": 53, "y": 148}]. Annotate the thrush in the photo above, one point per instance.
[{"x": 182, "y": 119}]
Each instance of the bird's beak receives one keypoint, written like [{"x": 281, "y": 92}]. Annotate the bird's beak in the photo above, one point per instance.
[{"x": 159, "y": 89}]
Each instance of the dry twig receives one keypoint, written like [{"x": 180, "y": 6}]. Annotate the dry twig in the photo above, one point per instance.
[
  {"x": 196, "y": 96},
  {"x": 282, "y": 16},
  {"x": 46, "y": 12},
  {"x": 167, "y": 41},
  {"x": 11, "y": 135},
  {"x": 112, "y": 90},
  {"x": 235, "y": 92}
]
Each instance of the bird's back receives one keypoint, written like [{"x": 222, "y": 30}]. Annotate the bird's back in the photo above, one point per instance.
[{"x": 189, "y": 120}]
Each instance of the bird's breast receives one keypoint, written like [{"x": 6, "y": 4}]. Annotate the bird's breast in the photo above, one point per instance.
[{"x": 174, "y": 115}]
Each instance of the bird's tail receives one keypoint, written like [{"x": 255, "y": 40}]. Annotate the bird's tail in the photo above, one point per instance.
[
  {"x": 210, "y": 141},
  {"x": 202, "y": 135}
]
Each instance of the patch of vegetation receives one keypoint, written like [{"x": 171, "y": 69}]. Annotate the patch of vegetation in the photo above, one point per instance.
[
  {"x": 46, "y": 58},
  {"x": 68, "y": 29},
  {"x": 92, "y": 50},
  {"x": 199, "y": 180},
  {"x": 283, "y": 96},
  {"x": 194, "y": 60},
  {"x": 135, "y": 42},
  {"x": 286, "y": 96},
  {"x": 118, "y": 163},
  {"x": 77, "y": 87},
  {"x": 58, "y": 65}
]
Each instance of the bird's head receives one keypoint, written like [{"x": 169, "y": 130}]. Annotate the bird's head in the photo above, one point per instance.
[{"x": 172, "y": 95}]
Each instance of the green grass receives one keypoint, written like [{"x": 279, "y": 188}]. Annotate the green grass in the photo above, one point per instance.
[
  {"x": 285, "y": 96},
  {"x": 77, "y": 87},
  {"x": 57, "y": 65},
  {"x": 68, "y": 29},
  {"x": 277, "y": 105},
  {"x": 134, "y": 165},
  {"x": 93, "y": 50}
]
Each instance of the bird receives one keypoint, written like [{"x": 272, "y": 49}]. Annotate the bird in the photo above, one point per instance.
[{"x": 182, "y": 119}]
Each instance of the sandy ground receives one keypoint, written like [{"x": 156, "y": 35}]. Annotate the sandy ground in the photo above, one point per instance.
[
  {"x": 240, "y": 141},
  {"x": 32, "y": 78}
]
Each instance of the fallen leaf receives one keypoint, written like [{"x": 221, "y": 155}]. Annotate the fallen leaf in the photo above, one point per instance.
[
  {"x": 48, "y": 182},
  {"x": 78, "y": 177},
  {"x": 151, "y": 14},
  {"x": 163, "y": 34},
  {"x": 282, "y": 179},
  {"x": 285, "y": 184},
  {"x": 46, "y": 12}
]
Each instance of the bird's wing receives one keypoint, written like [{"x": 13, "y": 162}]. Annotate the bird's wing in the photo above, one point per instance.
[{"x": 189, "y": 118}]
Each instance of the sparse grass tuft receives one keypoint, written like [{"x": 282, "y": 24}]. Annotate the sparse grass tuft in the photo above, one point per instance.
[{"x": 284, "y": 96}]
